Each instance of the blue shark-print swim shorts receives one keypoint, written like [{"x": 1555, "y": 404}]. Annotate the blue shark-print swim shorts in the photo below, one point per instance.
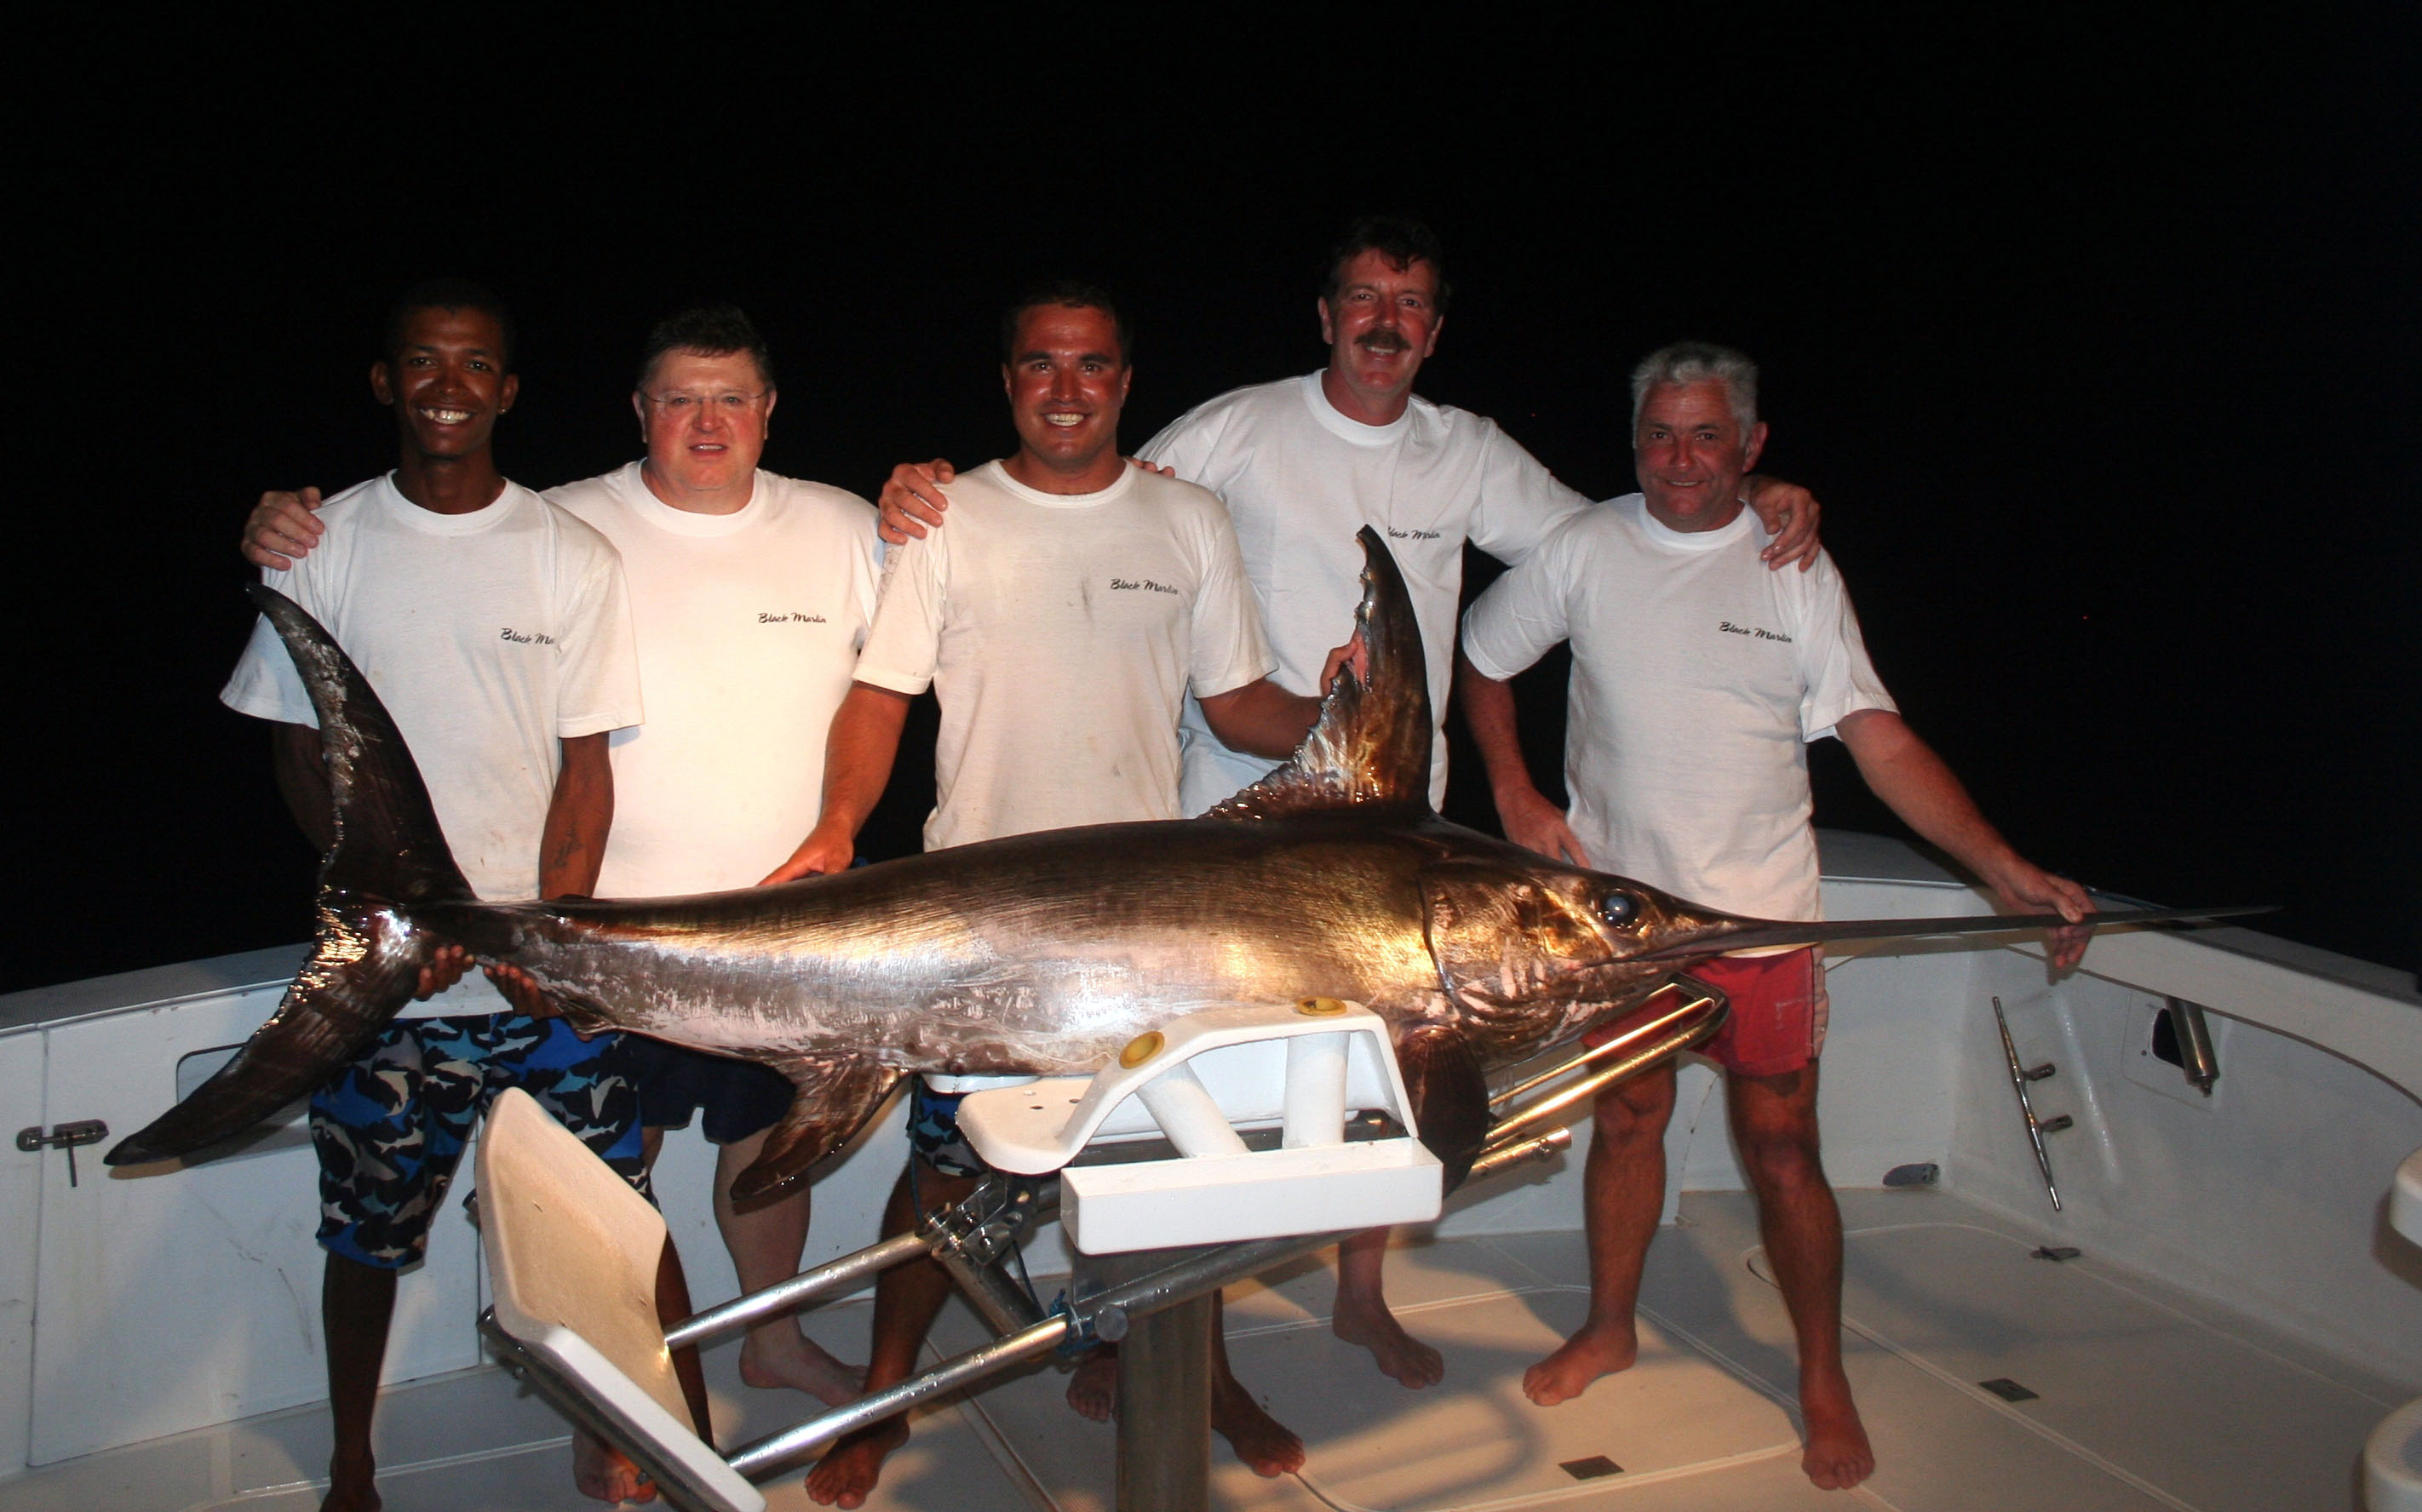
[{"x": 391, "y": 1127}]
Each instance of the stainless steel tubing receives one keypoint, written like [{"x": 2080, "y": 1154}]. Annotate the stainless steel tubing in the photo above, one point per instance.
[
  {"x": 1574, "y": 1063},
  {"x": 1498, "y": 1157},
  {"x": 1666, "y": 1035},
  {"x": 793, "y": 1447},
  {"x": 1164, "y": 1460},
  {"x": 1005, "y": 1308},
  {"x": 792, "y": 1295}
]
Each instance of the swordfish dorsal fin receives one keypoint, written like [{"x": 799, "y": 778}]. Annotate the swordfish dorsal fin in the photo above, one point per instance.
[{"x": 1371, "y": 741}]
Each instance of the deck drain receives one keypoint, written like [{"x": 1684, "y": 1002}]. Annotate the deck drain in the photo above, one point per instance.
[
  {"x": 2054, "y": 1252},
  {"x": 1591, "y": 1469},
  {"x": 2007, "y": 1389}
]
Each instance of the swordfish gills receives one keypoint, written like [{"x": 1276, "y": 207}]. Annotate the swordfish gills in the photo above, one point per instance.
[{"x": 1041, "y": 953}]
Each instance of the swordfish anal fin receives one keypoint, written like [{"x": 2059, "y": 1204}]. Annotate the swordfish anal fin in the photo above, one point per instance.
[
  {"x": 365, "y": 954},
  {"x": 832, "y": 1099},
  {"x": 1371, "y": 741}
]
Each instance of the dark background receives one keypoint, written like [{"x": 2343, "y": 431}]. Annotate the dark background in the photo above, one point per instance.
[{"x": 2096, "y": 337}]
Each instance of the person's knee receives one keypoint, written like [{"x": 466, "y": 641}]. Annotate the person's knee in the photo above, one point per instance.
[
  {"x": 1779, "y": 1149},
  {"x": 1634, "y": 1111}
]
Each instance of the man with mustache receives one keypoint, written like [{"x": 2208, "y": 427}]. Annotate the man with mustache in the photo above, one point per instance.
[
  {"x": 1698, "y": 681},
  {"x": 1303, "y": 464},
  {"x": 1061, "y": 622}
]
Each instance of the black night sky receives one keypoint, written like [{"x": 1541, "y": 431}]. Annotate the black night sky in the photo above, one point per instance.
[{"x": 2096, "y": 337}]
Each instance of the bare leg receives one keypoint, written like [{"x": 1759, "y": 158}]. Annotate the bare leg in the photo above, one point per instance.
[
  {"x": 766, "y": 1242},
  {"x": 906, "y": 1297},
  {"x": 1094, "y": 1390},
  {"x": 1268, "y": 1446},
  {"x": 1623, "y": 1188},
  {"x": 356, "y": 1302},
  {"x": 1774, "y": 1124},
  {"x": 1361, "y": 1316}
]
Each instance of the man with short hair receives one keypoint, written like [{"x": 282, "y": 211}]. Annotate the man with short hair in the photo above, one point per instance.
[
  {"x": 1304, "y": 463},
  {"x": 496, "y": 630},
  {"x": 1698, "y": 681},
  {"x": 750, "y": 594},
  {"x": 1061, "y": 621}
]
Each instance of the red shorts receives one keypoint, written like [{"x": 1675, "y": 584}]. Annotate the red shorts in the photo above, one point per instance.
[{"x": 1778, "y": 1019}]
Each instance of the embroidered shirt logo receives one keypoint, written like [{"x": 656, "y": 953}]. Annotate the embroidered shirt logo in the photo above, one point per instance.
[
  {"x": 1731, "y": 628},
  {"x": 535, "y": 637},
  {"x": 1394, "y": 533},
  {"x": 797, "y": 617},
  {"x": 1146, "y": 585}
]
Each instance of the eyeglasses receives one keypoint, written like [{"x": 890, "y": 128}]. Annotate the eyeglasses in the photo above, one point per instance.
[{"x": 683, "y": 405}]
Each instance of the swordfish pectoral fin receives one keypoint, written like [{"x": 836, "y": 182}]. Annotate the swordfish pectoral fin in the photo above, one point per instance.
[
  {"x": 1450, "y": 1095},
  {"x": 831, "y": 1100},
  {"x": 1371, "y": 743}
]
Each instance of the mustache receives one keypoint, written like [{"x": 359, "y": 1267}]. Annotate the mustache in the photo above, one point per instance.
[{"x": 1385, "y": 338}]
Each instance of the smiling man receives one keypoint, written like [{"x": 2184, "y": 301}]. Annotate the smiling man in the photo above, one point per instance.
[
  {"x": 1061, "y": 621},
  {"x": 1699, "y": 680},
  {"x": 750, "y": 593},
  {"x": 495, "y": 629},
  {"x": 1303, "y": 464}
]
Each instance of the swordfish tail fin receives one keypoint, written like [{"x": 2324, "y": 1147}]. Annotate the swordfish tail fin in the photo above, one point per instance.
[{"x": 367, "y": 954}]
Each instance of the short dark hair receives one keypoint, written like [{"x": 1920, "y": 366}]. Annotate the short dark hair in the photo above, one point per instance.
[
  {"x": 449, "y": 294},
  {"x": 1076, "y": 294},
  {"x": 711, "y": 330},
  {"x": 1400, "y": 239}
]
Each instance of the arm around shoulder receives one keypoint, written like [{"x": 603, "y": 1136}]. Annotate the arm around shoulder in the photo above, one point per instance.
[{"x": 1529, "y": 819}]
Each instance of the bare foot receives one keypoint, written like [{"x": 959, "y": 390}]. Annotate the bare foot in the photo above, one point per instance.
[
  {"x": 846, "y": 1475},
  {"x": 351, "y": 1489},
  {"x": 1266, "y": 1446},
  {"x": 1837, "y": 1456},
  {"x": 604, "y": 1473},
  {"x": 802, "y": 1365},
  {"x": 1592, "y": 1352},
  {"x": 1398, "y": 1353},
  {"x": 1094, "y": 1391}
]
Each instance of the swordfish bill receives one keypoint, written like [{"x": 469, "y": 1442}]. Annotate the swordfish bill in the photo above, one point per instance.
[{"x": 1040, "y": 953}]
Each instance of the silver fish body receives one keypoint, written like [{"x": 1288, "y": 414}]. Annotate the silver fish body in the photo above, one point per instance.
[{"x": 1041, "y": 953}]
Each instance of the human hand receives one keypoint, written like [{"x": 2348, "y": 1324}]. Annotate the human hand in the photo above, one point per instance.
[
  {"x": 823, "y": 852},
  {"x": 520, "y": 989},
  {"x": 2024, "y": 887},
  {"x": 1789, "y": 513},
  {"x": 1143, "y": 466},
  {"x": 1355, "y": 654},
  {"x": 912, "y": 499},
  {"x": 1535, "y": 824},
  {"x": 281, "y": 527},
  {"x": 445, "y": 967}
]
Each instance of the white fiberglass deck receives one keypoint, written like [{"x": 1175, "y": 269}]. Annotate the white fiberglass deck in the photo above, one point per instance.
[{"x": 2145, "y": 1398}]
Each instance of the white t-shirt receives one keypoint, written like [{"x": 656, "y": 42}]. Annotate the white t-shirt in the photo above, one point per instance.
[
  {"x": 1699, "y": 677},
  {"x": 1060, "y": 633},
  {"x": 749, "y": 624},
  {"x": 1299, "y": 479},
  {"x": 489, "y": 636}
]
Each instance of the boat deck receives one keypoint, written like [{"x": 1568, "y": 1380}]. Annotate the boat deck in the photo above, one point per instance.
[{"x": 2143, "y": 1397}]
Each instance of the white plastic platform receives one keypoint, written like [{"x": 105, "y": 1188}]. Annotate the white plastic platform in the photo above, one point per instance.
[
  {"x": 1299, "y": 1067},
  {"x": 573, "y": 1255}
]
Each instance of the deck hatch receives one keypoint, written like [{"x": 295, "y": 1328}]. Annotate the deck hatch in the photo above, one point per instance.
[
  {"x": 2007, "y": 1389},
  {"x": 1592, "y": 1468}
]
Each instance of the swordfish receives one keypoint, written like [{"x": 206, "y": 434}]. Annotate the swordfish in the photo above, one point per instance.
[{"x": 1040, "y": 953}]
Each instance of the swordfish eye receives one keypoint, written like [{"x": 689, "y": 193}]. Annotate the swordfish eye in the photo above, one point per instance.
[{"x": 1618, "y": 908}]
